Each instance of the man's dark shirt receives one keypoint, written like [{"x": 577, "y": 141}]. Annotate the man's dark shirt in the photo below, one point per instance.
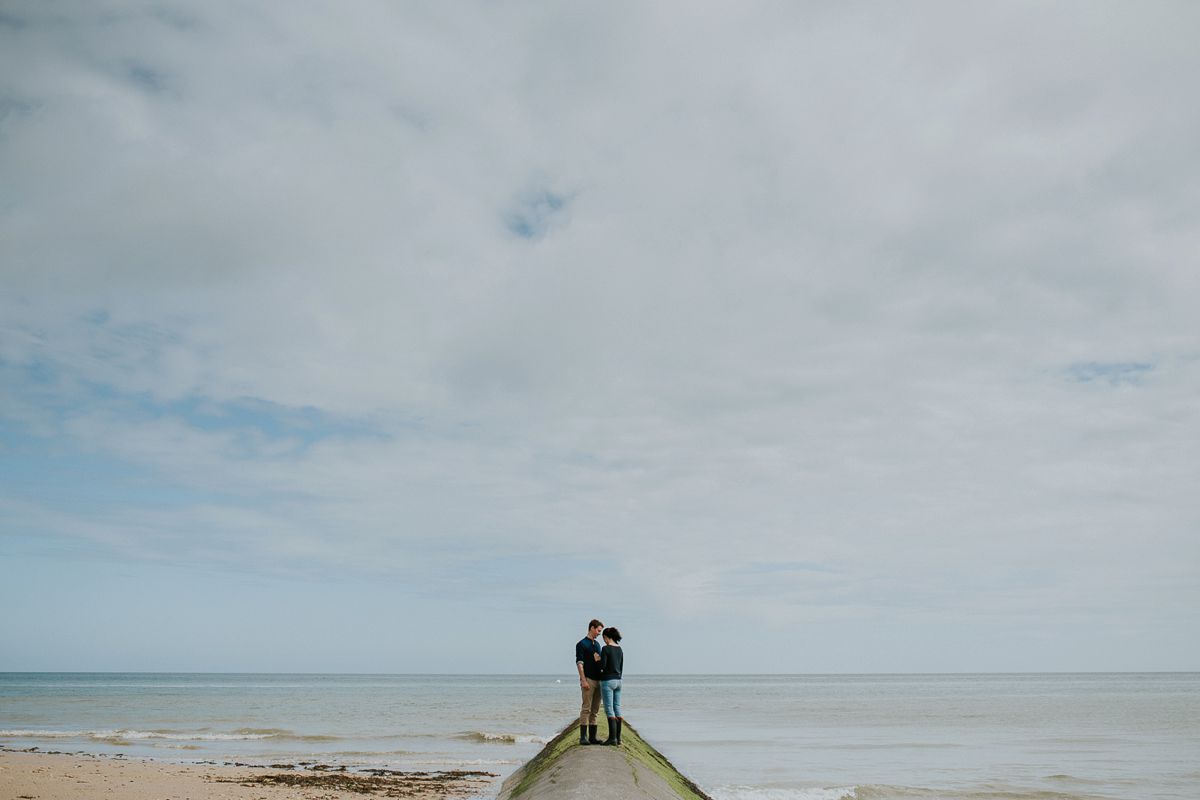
[
  {"x": 612, "y": 661},
  {"x": 584, "y": 651}
]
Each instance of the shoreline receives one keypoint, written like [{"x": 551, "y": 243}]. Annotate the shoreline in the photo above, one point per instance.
[{"x": 33, "y": 774}]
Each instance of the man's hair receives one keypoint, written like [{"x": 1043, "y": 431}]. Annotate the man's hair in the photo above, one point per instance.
[
  {"x": 595, "y": 624},
  {"x": 612, "y": 634}
]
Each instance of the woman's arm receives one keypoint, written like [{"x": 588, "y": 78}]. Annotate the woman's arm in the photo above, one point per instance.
[{"x": 603, "y": 660}]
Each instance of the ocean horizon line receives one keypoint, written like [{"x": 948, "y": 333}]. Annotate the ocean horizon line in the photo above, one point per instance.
[{"x": 643, "y": 674}]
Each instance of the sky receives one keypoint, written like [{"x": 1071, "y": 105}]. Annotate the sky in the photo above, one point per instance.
[{"x": 787, "y": 337}]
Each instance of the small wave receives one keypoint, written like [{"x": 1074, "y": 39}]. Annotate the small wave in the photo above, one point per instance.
[
  {"x": 124, "y": 736},
  {"x": 879, "y": 792},
  {"x": 894, "y": 746},
  {"x": 1061, "y": 778},
  {"x": 776, "y": 793},
  {"x": 45, "y": 734},
  {"x": 468, "y": 762},
  {"x": 186, "y": 736},
  {"x": 502, "y": 738},
  {"x": 179, "y": 746},
  {"x": 984, "y": 792}
]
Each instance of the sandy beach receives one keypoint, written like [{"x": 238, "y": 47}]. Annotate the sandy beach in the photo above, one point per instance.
[{"x": 65, "y": 776}]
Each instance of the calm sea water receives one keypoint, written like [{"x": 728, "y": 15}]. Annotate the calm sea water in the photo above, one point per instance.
[{"x": 1018, "y": 737}]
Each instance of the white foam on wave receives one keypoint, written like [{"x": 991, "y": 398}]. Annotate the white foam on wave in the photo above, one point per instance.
[
  {"x": 46, "y": 734},
  {"x": 779, "y": 793},
  {"x": 502, "y": 738},
  {"x": 132, "y": 735},
  {"x": 179, "y": 746},
  {"x": 201, "y": 737},
  {"x": 467, "y": 762}
]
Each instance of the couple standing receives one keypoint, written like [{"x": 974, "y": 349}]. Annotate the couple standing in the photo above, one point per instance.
[{"x": 600, "y": 676}]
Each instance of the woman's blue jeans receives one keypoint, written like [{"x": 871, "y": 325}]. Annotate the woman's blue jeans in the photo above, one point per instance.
[{"x": 610, "y": 690}]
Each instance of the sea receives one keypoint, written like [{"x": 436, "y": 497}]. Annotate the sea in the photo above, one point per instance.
[{"x": 1131, "y": 736}]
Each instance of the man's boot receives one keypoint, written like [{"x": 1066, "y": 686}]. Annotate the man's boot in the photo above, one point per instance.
[
  {"x": 583, "y": 734},
  {"x": 612, "y": 731},
  {"x": 592, "y": 738}
]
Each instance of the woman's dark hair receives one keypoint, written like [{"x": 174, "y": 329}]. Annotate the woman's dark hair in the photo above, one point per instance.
[{"x": 612, "y": 633}]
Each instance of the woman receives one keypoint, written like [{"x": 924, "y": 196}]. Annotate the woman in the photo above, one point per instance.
[{"x": 612, "y": 661}]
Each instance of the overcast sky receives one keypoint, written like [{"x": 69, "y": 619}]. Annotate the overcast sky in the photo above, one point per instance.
[{"x": 788, "y": 337}]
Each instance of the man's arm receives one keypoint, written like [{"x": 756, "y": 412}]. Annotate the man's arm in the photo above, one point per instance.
[{"x": 579, "y": 656}]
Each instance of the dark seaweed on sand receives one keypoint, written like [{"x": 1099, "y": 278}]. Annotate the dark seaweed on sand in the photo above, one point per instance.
[{"x": 388, "y": 783}]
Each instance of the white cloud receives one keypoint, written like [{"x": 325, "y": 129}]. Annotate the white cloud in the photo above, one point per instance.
[{"x": 817, "y": 287}]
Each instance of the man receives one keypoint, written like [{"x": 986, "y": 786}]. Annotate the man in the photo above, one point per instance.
[{"x": 587, "y": 662}]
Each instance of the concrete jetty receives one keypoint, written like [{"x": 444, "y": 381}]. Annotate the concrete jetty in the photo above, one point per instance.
[{"x": 566, "y": 770}]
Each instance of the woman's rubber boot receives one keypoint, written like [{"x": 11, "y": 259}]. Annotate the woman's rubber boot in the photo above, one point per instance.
[
  {"x": 620, "y": 722},
  {"x": 583, "y": 734},
  {"x": 592, "y": 738},
  {"x": 613, "y": 731}
]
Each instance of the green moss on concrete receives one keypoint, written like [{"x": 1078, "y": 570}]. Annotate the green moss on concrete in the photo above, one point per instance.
[
  {"x": 545, "y": 759},
  {"x": 633, "y": 747}
]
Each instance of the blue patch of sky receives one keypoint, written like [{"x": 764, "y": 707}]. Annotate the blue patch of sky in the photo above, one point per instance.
[
  {"x": 149, "y": 79},
  {"x": 303, "y": 425},
  {"x": 40, "y": 381},
  {"x": 535, "y": 213},
  {"x": 1114, "y": 373},
  {"x": 49, "y": 469},
  {"x": 175, "y": 18},
  {"x": 12, "y": 21},
  {"x": 12, "y": 107},
  {"x": 57, "y": 473},
  {"x": 41, "y": 372}
]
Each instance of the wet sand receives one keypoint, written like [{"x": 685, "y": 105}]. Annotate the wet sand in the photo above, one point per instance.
[{"x": 63, "y": 776}]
